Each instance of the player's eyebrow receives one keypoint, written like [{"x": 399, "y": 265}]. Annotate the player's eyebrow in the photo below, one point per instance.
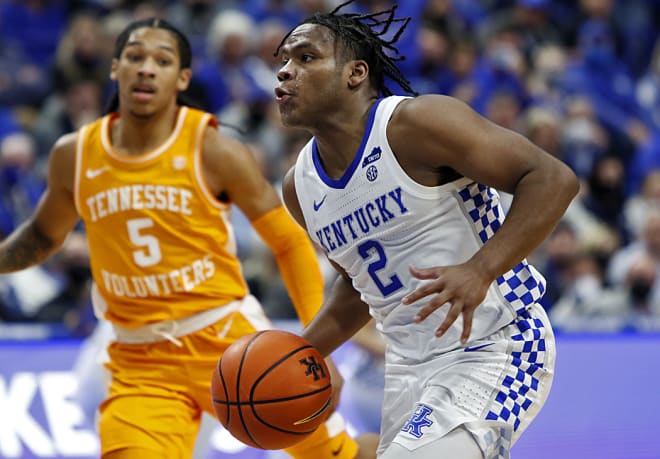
[
  {"x": 140, "y": 43},
  {"x": 302, "y": 44}
]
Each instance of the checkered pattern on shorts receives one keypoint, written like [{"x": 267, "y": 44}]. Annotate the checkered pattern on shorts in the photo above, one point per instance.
[
  {"x": 497, "y": 446},
  {"x": 520, "y": 383},
  {"x": 519, "y": 286}
]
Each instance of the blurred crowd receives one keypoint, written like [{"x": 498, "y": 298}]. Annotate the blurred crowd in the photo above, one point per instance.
[{"x": 580, "y": 78}]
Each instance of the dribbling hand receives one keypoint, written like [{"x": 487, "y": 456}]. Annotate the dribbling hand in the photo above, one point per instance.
[{"x": 462, "y": 287}]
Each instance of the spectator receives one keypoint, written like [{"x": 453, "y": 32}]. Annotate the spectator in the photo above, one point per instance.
[
  {"x": 605, "y": 195},
  {"x": 642, "y": 283},
  {"x": 541, "y": 125},
  {"x": 500, "y": 69},
  {"x": 545, "y": 76},
  {"x": 432, "y": 70},
  {"x": 646, "y": 158},
  {"x": 8, "y": 122},
  {"x": 503, "y": 108},
  {"x": 637, "y": 265},
  {"x": 21, "y": 184},
  {"x": 77, "y": 103},
  {"x": 613, "y": 97},
  {"x": 79, "y": 53},
  {"x": 226, "y": 75},
  {"x": 647, "y": 90},
  {"x": 583, "y": 140},
  {"x": 22, "y": 83},
  {"x": 462, "y": 68},
  {"x": 587, "y": 303},
  {"x": 553, "y": 258},
  {"x": 530, "y": 18},
  {"x": 72, "y": 306},
  {"x": 22, "y": 294},
  {"x": 638, "y": 206},
  {"x": 193, "y": 17}
]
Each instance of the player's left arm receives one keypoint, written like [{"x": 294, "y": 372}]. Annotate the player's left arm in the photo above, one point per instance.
[
  {"x": 229, "y": 167},
  {"x": 430, "y": 132}
]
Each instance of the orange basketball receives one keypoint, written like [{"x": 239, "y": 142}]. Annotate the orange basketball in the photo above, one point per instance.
[{"x": 271, "y": 389}]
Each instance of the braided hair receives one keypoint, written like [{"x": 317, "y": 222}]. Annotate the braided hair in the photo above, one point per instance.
[{"x": 362, "y": 37}]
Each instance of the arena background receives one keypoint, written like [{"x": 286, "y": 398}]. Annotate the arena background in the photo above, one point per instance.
[{"x": 580, "y": 78}]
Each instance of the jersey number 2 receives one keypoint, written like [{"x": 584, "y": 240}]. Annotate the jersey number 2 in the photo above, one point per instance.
[{"x": 393, "y": 283}]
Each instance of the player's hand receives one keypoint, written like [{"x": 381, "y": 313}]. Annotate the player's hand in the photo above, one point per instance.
[
  {"x": 337, "y": 383},
  {"x": 462, "y": 288}
]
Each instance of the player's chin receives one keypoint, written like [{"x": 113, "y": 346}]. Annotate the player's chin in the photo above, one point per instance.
[
  {"x": 289, "y": 119},
  {"x": 142, "y": 112}
]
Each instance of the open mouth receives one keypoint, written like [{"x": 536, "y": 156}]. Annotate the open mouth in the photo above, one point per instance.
[
  {"x": 143, "y": 92},
  {"x": 281, "y": 95}
]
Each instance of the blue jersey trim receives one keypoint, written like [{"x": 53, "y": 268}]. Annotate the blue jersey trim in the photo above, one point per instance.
[{"x": 343, "y": 180}]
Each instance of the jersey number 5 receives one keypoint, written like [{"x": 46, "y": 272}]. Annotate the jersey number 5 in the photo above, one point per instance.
[
  {"x": 149, "y": 253},
  {"x": 366, "y": 249}
]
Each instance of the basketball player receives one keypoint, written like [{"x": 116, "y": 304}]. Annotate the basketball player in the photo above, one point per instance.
[
  {"x": 400, "y": 192},
  {"x": 153, "y": 183}
]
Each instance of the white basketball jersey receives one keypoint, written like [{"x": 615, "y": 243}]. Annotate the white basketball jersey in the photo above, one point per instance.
[{"x": 375, "y": 222}]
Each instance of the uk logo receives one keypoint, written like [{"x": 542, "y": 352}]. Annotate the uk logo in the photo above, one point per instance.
[
  {"x": 418, "y": 420},
  {"x": 312, "y": 367}
]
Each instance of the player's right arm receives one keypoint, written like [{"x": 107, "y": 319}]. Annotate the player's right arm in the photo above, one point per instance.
[
  {"x": 343, "y": 313},
  {"x": 55, "y": 216}
]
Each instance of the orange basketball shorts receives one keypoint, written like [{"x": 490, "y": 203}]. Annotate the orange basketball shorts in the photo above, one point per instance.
[{"x": 159, "y": 390}]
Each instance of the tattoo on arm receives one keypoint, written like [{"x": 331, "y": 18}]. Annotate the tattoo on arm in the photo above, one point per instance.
[{"x": 25, "y": 247}]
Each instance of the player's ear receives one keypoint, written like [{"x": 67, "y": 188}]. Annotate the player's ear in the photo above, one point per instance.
[
  {"x": 113, "y": 69},
  {"x": 359, "y": 72},
  {"x": 184, "y": 79}
]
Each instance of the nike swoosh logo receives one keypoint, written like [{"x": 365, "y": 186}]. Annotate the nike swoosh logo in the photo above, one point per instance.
[
  {"x": 316, "y": 414},
  {"x": 93, "y": 173},
  {"x": 317, "y": 206},
  {"x": 476, "y": 348}
]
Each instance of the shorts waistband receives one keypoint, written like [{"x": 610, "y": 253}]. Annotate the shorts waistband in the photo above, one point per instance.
[{"x": 172, "y": 329}]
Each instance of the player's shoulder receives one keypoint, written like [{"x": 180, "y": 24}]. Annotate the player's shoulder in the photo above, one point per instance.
[
  {"x": 217, "y": 143},
  {"x": 429, "y": 119},
  {"x": 290, "y": 195},
  {"x": 414, "y": 108},
  {"x": 65, "y": 146},
  {"x": 67, "y": 141},
  {"x": 288, "y": 181}
]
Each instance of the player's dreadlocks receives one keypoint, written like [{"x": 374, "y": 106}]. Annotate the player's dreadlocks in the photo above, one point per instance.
[{"x": 362, "y": 35}]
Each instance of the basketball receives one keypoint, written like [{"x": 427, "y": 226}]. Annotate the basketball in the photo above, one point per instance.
[{"x": 271, "y": 389}]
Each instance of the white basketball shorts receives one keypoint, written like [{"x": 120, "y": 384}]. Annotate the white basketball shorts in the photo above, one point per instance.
[{"x": 493, "y": 387}]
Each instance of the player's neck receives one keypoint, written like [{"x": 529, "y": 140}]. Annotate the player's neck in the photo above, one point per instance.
[
  {"x": 339, "y": 139},
  {"x": 135, "y": 135}
]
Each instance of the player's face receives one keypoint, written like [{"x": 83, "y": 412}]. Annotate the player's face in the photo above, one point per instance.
[
  {"x": 310, "y": 78},
  {"x": 149, "y": 72}
]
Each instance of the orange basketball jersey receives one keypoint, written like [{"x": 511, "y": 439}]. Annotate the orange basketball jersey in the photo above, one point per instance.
[{"x": 161, "y": 245}]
